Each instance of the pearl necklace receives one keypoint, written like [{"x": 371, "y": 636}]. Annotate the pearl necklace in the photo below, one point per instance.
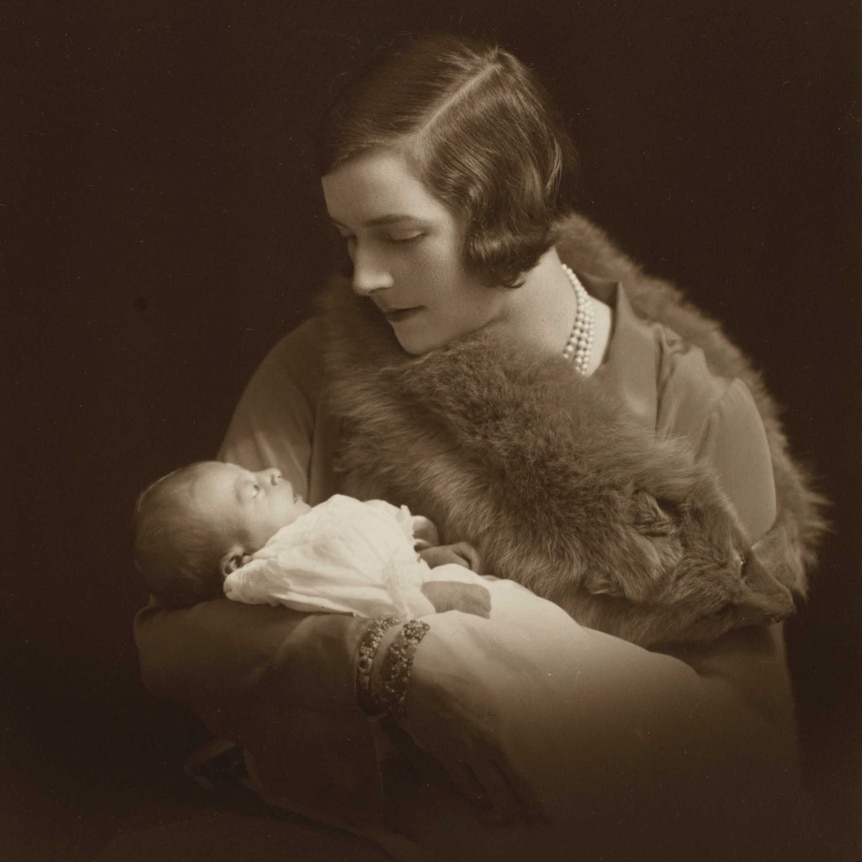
[{"x": 579, "y": 347}]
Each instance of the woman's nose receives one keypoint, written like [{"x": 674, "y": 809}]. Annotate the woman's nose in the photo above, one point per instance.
[{"x": 369, "y": 272}]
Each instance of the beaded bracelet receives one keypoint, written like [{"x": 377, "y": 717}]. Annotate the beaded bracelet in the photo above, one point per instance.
[
  {"x": 368, "y": 700},
  {"x": 397, "y": 665}
]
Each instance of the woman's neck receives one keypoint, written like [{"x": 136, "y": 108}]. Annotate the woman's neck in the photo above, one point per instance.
[{"x": 542, "y": 311}]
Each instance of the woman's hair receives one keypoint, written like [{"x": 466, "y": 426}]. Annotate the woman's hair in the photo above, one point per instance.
[
  {"x": 176, "y": 551},
  {"x": 479, "y": 130}
]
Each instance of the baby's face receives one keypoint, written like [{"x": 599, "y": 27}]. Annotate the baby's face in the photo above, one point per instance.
[{"x": 246, "y": 507}]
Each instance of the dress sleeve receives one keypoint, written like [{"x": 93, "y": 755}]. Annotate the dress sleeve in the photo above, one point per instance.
[
  {"x": 733, "y": 442},
  {"x": 213, "y": 656},
  {"x": 745, "y": 671},
  {"x": 273, "y": 424}
]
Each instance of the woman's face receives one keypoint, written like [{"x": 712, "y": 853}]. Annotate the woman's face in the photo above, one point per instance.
[{"x": 407, "y": 252}]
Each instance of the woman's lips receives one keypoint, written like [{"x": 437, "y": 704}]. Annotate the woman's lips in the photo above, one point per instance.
[{"x": 396, "y": 315}]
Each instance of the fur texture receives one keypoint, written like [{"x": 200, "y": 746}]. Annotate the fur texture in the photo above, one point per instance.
[{"x": 554, "y": 484}]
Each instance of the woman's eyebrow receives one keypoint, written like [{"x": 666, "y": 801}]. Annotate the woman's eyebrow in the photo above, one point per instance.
[
  {"x": 390, "y": 219},
  {"x": 382, "y": 220}
]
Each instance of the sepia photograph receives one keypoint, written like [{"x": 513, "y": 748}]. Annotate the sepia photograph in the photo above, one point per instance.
[{"x": 431, "y": 431}]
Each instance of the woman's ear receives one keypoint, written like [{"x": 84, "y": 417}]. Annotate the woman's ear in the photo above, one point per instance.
[{"x": 234, "y": 559}]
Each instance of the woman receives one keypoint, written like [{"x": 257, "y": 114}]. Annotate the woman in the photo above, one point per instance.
[{"x": 450, "y": 180}]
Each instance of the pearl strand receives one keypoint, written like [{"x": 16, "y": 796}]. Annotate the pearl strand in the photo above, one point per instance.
[{"x": 579, "y": 347}]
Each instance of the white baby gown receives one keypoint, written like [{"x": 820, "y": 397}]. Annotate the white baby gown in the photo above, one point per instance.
[{"x": 345, "y": 556}]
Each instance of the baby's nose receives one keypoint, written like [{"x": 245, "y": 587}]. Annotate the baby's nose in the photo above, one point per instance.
[{"x": 272, "y": 476}]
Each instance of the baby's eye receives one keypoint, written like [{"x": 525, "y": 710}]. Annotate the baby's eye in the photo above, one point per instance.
[{"x": 255, "y": 490}]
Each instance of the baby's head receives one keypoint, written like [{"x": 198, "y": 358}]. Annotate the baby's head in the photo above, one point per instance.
[{"x": 196, "y": 525}]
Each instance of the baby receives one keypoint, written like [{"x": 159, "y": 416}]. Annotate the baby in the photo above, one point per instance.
[{"x": 213, "y": 529}]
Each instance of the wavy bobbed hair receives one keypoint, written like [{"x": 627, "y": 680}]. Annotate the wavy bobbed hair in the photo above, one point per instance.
[{"x": 479, "y": 131}]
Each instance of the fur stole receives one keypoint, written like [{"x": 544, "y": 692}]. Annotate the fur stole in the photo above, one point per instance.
[{"x": 556, "y": 486}]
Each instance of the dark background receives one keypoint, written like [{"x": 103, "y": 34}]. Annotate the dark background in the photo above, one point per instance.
[{"x": 161, "y": 228}]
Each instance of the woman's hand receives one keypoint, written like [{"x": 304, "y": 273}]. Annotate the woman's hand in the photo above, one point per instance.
[{"x": 461, "y": 554}]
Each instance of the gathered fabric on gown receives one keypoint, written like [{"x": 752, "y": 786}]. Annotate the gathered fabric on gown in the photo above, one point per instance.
[{"x": 344, "y": 556}]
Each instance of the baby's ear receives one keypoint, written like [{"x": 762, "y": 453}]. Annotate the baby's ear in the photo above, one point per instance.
[{"x": 233, "y": 560}]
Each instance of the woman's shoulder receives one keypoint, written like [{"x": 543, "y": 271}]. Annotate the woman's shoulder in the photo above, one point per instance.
[
  {"x": 657, "y": 334},
  {"x": 694, "y": 393},
  {"x": 299, "y": 347},
  {"x": 688, "y": 391},
  {"x": 297, "y": 357},
  {"x": 665, "y": 379},
  {"x": 701, "y": 377}
]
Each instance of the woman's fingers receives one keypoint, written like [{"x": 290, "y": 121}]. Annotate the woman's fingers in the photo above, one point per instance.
[{"x": 469, "y": 554}]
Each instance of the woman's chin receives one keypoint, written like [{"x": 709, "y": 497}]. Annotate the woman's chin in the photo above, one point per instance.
[
  {"x": 415, "y": 340},
  {"x": 413, "y": 349}
]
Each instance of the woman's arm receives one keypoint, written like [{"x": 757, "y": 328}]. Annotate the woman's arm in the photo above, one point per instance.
[
  {"x": 250, "y": 670},
  {"x": 213, "y": 656},
  {"x": 748, "y": 665},
  {"x": 728, "y": 701},
  {"x": 732, "y": 442}
]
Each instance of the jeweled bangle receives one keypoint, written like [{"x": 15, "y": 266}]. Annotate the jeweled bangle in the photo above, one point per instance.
[
  {"x": 397, "y": 665},
  {"x": 368, "y": 700}
]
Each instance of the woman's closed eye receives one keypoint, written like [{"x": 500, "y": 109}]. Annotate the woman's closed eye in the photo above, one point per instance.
[
  {"x": 404, "y": 239},
  {"x": 391, "y": 239}
]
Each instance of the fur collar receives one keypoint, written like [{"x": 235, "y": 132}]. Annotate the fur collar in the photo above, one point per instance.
[{"x": 558, "y": 487}]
